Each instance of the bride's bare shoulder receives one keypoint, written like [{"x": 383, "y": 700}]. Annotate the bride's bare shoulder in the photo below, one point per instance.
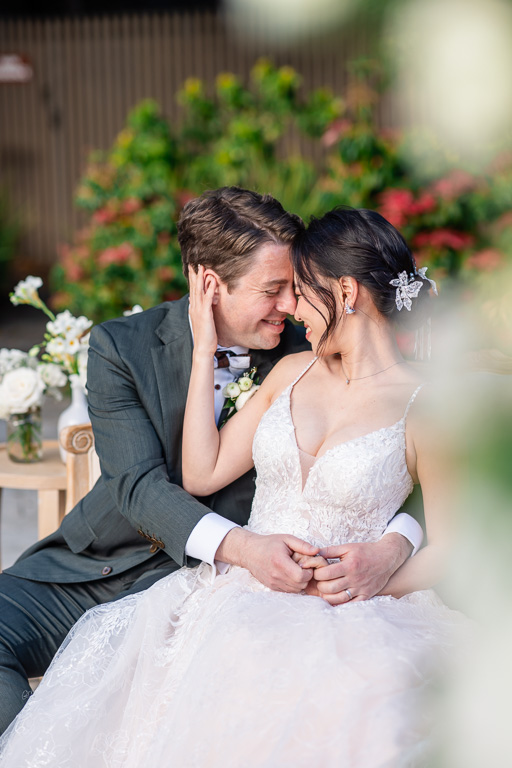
[
  {"x": 291, "y": 365},
  {"x": 287, "y": 369}
]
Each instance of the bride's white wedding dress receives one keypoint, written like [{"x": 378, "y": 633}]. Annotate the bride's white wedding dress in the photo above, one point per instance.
[{"x": 222, "y": 672}]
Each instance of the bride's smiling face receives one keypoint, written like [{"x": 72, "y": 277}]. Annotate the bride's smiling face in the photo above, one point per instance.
[{"x": 314, "y": 313}]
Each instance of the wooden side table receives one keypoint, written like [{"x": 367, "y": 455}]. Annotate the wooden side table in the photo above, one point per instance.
[{"x": 47, "y": 477}]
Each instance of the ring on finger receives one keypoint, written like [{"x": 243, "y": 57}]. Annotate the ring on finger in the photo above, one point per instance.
[{"x": 349, "y": 593}]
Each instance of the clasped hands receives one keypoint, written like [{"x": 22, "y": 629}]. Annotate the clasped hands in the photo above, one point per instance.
[
  {"x": 330, "y": 578},
  {"x": 285, "y": 563},
  {"x": 341, "y": 574}
]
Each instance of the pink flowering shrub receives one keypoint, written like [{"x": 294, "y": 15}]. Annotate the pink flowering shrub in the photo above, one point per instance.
[{"x": 458, "y": 224}]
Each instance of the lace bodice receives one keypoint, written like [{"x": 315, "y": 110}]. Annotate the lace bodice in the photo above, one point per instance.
[{"x": 351, "y": 491}]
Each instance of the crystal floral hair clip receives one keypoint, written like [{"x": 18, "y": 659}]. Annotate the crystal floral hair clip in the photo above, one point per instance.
[{"x": 408, "y": 288}]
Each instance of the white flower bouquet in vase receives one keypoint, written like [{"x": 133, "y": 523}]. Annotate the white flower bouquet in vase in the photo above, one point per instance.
[{"x": 27, "y": 377}]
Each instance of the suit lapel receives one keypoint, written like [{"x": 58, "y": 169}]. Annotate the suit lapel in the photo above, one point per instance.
[
  {"x": 172, "y": 362},
  {"x": 264, "y": 360}
]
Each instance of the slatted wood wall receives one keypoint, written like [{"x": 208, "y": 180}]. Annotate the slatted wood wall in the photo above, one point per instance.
[{"x": 88, "y": 73}]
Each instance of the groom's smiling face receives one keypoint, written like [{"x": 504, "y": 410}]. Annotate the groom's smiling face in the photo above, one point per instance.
[{"x": 252, "y": 314}]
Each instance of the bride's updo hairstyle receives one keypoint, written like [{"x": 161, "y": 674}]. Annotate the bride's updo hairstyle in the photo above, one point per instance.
[{"x": 362, "y": 244}]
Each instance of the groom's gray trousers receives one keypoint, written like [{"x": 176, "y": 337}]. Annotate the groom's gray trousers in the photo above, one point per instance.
[{"x": 35, "y": 617}]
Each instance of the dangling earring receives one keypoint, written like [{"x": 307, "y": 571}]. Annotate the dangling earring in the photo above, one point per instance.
[{"x": 348, "y": 309}]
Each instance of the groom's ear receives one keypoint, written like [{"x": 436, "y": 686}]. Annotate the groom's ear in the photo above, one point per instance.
[{"x": 210, "y": 276}]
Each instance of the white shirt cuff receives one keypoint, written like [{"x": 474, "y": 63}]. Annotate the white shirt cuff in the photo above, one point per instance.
[
  {"x": 408, "y": 527},
  {"x": 206, "y": 537}
]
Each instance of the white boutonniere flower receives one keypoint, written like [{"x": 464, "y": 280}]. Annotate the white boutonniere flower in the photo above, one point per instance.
[
  {"x": 231, "y": 391},
  {"x": 238, "y": 392},
  {"x": 243, "y": 397}
]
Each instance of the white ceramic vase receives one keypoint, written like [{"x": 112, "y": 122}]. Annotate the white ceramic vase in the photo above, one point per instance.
[{"x": 76, "y": 413}]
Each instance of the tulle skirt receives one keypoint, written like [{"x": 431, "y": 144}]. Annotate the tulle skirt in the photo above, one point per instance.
[{"x": 222, "y": 672}]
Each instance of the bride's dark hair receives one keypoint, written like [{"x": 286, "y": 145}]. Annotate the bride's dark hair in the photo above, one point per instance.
[{"x": 362, "y": 244}]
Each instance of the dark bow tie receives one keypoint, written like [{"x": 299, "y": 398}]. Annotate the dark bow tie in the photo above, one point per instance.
[{"x": 223, "y": 357}]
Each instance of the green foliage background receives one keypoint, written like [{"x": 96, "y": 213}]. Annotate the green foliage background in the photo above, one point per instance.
[{"x": 310, "y": 150}]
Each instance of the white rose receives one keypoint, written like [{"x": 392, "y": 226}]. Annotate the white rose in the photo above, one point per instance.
[
  {"x": 245, "y": 383},
  {"x": 21, "y": 390},
  {"x": 245, "y": 396},
  {"x": 52, "y": 375},
  {"x": 231, "y": 390}
]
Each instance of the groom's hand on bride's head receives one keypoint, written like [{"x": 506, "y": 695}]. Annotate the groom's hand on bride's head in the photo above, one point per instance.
[{"x": 360, "y": 571}]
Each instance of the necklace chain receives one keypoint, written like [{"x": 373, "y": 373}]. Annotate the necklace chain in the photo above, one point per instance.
[{"x": 358, "y": 378}]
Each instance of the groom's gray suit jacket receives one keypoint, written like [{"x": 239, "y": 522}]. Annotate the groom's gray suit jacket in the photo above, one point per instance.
[{"x": 138, "y": 374}]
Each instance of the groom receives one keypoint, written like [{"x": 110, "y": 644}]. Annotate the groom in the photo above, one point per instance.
[{"x": 138, "y": 524}]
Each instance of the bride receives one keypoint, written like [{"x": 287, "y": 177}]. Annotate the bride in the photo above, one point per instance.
[{"x": 208, "y": 669}]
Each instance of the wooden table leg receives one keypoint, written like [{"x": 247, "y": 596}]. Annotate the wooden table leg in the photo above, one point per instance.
[{"x": 51, "y": 505}]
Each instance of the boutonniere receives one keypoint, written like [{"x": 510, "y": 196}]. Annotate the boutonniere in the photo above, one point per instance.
[{"x": 238, "y": 392}]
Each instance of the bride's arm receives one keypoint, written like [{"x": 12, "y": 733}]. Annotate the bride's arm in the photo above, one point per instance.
[
  {"x": 431, "y": 461},
  {"x": 213, "y": 459}
]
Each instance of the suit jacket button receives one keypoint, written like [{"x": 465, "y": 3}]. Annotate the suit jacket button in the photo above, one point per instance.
[{"x": 106, "y": 570}]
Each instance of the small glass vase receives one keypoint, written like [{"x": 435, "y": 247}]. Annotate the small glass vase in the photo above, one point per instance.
[{"x": 25, "y": 436}]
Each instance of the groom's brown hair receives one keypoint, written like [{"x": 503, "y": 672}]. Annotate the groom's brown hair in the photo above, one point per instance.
[{"x": 222, "y": 228}]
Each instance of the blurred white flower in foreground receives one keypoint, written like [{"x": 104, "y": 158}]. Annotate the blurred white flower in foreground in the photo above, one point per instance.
[
  {"x": 286, "y": 19},
  {"x": 454, "y": 60},
  {"x": 473, "y": 382}
]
